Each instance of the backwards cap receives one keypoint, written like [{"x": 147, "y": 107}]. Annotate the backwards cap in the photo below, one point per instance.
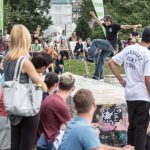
[
  {"x": 108, "y": 18},
  {"x": 146, "y": 32}
]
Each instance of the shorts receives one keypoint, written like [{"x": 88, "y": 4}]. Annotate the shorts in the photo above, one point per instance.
[{"x": 5, "y": 133}]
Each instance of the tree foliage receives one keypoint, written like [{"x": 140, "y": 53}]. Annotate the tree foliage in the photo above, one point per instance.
[
  {"x": 122, "y": 11},
  {"x": 28, "y": 12},
  {"x": 83, "y": 30}
]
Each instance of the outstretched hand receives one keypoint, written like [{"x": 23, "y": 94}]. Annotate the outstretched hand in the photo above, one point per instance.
[
  {"x": 92, "y": 13},
  {"x": 139, "y": 25},
  {"x": 128, "y": 147}
]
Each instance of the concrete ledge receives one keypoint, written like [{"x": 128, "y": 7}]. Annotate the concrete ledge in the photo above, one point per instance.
[{"x": 112, "y": 79}]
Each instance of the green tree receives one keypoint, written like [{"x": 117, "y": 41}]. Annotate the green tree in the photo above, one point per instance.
[
  {"x": 27, "y": 12},
  {"x": 122, "y": 11},
  {"x": 83, "y": 30}
]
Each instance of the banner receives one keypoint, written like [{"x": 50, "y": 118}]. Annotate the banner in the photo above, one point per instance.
[
  {"x": 1, "y": 21},
  {"x": 99, "y": 8}
]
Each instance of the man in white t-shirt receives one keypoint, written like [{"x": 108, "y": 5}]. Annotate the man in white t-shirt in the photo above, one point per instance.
[{"x": 136, "y": 61}]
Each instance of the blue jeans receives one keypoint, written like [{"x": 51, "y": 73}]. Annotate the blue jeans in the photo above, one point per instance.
[
  {"x": 100, "y": 58},
  {"x": 43, "y": 144},
  {"x": 100, "y": 44}
]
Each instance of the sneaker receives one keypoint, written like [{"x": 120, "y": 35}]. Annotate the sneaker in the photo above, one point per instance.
[
  {"x": 90, "y": 60},
  {"x": 95, "y": 78}
]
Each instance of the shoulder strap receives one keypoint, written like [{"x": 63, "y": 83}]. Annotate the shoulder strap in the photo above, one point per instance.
[
  {"x": 1, "y": 79},
  {"x": 18, "y": 68}
]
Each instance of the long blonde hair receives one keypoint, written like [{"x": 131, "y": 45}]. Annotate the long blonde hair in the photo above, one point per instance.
[{"x": 20, "y": 42}]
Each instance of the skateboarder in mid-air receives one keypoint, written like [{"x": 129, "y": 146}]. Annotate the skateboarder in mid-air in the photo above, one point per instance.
[{"x": 107, "y": 45}]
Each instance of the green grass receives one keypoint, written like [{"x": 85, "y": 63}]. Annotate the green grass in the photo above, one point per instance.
[{"x": 78, "y": 68}]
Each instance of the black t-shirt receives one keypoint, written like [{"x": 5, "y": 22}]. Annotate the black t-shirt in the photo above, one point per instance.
[
  {"x": 111, "y": 31},
  {"x": 59, "y": 62},
  {"x": 78, "y": 46},
  {"x": 134, "y": 33}
]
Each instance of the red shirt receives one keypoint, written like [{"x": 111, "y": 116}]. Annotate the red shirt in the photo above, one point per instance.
[
  {"x": 54, "y": 112},
  {"x": 2, "y": 110}
]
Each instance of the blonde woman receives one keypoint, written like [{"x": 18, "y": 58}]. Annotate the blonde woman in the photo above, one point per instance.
[{"x": 23, "y": 129}]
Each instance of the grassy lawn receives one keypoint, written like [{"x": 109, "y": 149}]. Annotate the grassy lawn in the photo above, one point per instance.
[{"x": 78, "y": 68}]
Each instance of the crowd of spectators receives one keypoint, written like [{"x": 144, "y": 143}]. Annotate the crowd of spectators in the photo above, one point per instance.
[{"x": 47, "y": 64}]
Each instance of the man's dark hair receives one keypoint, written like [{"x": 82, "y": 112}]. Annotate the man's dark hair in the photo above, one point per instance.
[
  {"x": 83, "y": 100},
  {"x": 50, "y": 79},
  {"x": 146, "y": 35},
  {"x": 66, "y": 82},
  {"x": 41, "y": 59}
]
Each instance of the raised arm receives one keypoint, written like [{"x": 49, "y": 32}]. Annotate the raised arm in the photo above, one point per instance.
[
  {"x": 130, "y": 26},
  {"x": 95, "y": 18}
]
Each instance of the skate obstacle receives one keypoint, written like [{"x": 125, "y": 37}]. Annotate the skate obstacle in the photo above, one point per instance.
[{"x": 111, "y": 111}]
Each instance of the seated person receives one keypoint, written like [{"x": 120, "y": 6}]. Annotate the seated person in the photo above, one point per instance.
[
  {"x": 79, "y": 133},
  {"x": 36, "y": 47},
  {"x": 87, "y": 45},
  {"x": 63, "y": 49},
  {"x": 78, "y": 48},
  {"x": 63, "y": 37},
  {"x": 134, "y": 35},
  {"x": 55, "y": 41},
  {"x": 54, "y": 111},
  {"x": 73, "y": 37},
  {"x": 47, "y": 44},
  {"x": 59, "y": 65},
  {"x": 50, "y": 50},
  {"x": 128, "y": 42}
]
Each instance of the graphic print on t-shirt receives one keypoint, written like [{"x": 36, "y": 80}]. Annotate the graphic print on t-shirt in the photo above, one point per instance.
[
  {"x": 110, "y": 30},
  {"x": 132, "y": 58}
]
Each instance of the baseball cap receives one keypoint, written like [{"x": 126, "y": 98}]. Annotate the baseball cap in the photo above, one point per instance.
[
  {"x": 108, "y": 17},
  {"x": 146, "y": 34},
  {"x": 146, "y": 31}
]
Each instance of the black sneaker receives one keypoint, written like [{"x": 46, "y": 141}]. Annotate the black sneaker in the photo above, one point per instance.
[
  {"x": 95, "y": 78},
  {"x": 90, "y": 60}
]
